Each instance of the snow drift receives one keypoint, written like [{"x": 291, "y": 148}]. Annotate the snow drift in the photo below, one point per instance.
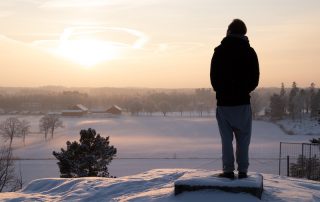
[{"x": 157, "y": 185}]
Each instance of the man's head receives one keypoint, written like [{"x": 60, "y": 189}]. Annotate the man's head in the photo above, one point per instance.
[{"x": 237, "y": 27}]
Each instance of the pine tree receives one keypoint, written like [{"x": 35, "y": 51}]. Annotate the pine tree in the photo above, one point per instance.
[
  {"x": 309, "y": 94},
  {"x": 283, "y": 98},
  {"x": 278, "y": 104},
  {"x": 276, "y": 107},
  {"x": 292, "y": 100},
  {"x": 282, "y": 91},
  {"x": 315, "y": 104},
  {"x": 306, "y": 168},
  {"x": 90, "y": 157},
  {"x": 315, "y": 141}
]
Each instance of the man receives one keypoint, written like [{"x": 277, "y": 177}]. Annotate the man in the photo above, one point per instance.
[{"x": 234, "y": 74}]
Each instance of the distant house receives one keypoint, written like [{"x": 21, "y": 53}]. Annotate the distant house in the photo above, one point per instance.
[
  {"x": 79, "y": 107},
  {"x": 70, "y": 112},
  {"x": 114, "y": 110},
  {"x": 76, "y": 110}
]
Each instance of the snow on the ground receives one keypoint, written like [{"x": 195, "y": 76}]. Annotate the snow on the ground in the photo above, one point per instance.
[
  {"x": 201, "y": 179},
  {"x": 156, "y": 136},
  {"x": 153, "y": 137},
  {"x": 158, "y": 185},
  {"x": 305, "y": 126}
]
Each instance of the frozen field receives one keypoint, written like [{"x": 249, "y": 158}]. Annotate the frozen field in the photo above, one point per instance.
[{"x": 151, "y": 137}]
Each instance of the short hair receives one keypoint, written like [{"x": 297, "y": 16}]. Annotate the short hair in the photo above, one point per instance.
[{"x": 237, "y": 26}]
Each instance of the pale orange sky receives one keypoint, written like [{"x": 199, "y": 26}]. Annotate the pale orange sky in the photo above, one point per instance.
[{"x": 152, "y": 43}]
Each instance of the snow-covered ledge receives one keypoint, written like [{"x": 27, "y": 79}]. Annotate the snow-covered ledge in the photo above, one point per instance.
[{"x": 252, "y": 185}]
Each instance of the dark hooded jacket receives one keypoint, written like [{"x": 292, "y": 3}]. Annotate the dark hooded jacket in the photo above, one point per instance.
[{"x": 234, "y": 71}]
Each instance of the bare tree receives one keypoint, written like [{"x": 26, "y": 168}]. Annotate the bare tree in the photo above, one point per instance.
[
  {"x": 8, "y": 180},
  {"x": 10, "y": 128},
  {"x": 135, "y": 107},
  {"x": 55, "y": 122},
  {"x": 164, "y": 107},
  {"x": 181, "y": 109},
  {"x": 44, "y": 126},
  {"x": 200, "y": 108},
  {"x": 24, "y": 130},
  {"x": 149, "y": 107},
  {"x": 49, "y": 123}
]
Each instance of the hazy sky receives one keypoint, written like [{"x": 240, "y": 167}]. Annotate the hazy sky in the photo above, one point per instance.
[{"x": 152, "y": 43}]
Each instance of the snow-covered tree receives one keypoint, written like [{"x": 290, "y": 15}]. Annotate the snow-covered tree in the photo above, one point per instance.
[{"x": 87, "y": 158}]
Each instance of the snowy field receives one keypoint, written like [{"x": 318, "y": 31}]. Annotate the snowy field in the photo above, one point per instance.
[
  {"x": 158, "y": 185},
  {"x": 153, "y": 137},
  {"x": 304, "y": 126}
]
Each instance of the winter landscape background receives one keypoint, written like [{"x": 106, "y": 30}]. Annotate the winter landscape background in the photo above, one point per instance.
[
  {"x": 146, "y": 142},
  {"x": 188, "y": 145},
  {"x": 171, "y": 130}
]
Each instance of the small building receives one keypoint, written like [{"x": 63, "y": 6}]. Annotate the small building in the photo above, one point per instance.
[
  {"x": 114, "y": 110},
  {"x": 70, "y": 112},
  {"x": 76, "y": 110},
  {"x": 79, "y": 107}
]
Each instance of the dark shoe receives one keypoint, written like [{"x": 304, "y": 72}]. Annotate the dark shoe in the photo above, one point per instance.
[
  {"x": 229, "y": 175},
  {"x": 242, "y": 175}
]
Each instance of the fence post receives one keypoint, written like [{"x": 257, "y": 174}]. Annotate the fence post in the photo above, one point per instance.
[
  {"x": 309, "y": 163},
  {"x": 302, "y": 161},
  {"x": 280, "y": 158},
  {"x": 288, "y": 166}
]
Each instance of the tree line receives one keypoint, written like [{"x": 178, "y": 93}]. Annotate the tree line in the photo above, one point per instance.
[
  {"x": 148, "y": 102},
  {"x": 295, "y": 102}
]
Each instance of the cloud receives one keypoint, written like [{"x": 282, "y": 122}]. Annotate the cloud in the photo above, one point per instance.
[
  {"x": 91, "y": 3},
  {"x": 75, "y": 3},
  {"x": 140, "y": 38},
  {"x": 81, "y": 44}
]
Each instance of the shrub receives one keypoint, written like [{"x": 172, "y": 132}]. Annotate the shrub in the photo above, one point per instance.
[{"x": 88, "y": 158}]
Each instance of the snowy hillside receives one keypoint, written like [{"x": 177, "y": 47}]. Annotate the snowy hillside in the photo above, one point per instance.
[{"x": 157, "y": 185}]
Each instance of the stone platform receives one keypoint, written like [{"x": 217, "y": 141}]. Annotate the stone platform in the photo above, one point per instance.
[{"x": 252, "y": 185}]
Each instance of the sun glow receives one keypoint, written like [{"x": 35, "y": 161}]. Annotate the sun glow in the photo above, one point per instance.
[
  {"x": 91, "y": 45},
  {"x": 88, "y": 52}
]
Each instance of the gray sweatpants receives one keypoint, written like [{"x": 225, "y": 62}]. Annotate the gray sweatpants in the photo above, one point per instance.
[{"x": 237, "y": 121}]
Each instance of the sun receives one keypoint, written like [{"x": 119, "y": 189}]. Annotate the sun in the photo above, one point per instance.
[
  {"x": 87, "y": 51},
  {"x": 91, "y": 45}
]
